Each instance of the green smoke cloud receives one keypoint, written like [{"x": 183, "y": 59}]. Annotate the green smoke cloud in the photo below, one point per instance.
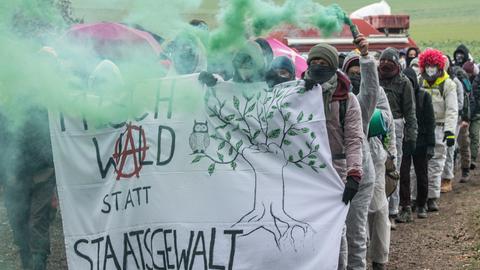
[
  {"x": 240, "y": 19},
  {"x": 59, "y": 81},
  {"x": 35, "y": 78},
  {"x": 73, "y": 78},
  {"x": 163, "y": 17}
]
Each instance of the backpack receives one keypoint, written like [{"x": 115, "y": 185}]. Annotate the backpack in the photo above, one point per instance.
[
  {"x": 468, "y": 95},
  {"x": 463, "y": 78}
]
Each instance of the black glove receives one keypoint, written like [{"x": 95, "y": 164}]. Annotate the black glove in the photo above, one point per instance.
[
  {"x": 351, "y": 188},
  {"x": 409, "y": 147},
  {"x": 430, "y": 152},
  {"x": 207, "y": 78},
  {"x": 309, "y": 84},
  {"x": 450, "y": 138}
]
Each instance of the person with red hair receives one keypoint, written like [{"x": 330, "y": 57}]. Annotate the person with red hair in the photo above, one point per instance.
[{"x": 436, "y": 81}]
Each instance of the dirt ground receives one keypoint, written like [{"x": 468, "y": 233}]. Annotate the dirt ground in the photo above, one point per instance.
[
  {"x": 449, "y": 239},
  {"x": 9, "y": 259}
]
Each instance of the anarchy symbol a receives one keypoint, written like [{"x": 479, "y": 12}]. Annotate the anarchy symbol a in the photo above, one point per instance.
[{"x": 125, "y": 147}]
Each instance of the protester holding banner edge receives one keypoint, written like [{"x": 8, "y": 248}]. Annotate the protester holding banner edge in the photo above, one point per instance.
[{"x": 344, "y": 124}]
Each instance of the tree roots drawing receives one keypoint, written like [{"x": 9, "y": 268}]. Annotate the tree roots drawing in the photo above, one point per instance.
[{"x": 256, "y": 128}]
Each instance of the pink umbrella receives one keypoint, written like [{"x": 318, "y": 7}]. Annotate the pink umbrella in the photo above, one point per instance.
[
  {"x": 280, "y": 49},
  {"x": 106, "y": 35}
]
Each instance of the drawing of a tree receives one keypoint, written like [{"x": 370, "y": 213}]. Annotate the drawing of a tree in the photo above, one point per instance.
[{"x": 262, "y": 126}]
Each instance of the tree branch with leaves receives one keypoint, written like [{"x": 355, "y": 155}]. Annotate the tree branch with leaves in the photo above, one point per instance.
[{"x": 265, "y": 128}]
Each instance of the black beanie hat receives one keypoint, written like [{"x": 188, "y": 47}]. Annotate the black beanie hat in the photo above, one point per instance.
[{"x": 390, "y": 54}]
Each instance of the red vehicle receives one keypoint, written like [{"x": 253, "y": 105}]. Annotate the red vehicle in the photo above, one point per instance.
[{"x": 382, "y": 32}]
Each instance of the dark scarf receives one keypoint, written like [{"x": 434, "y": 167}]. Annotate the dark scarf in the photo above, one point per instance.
[
  {"x": 272, "y": 78},
  {"x": 321, "y": 74},
  {"x": 355, "y": 80},
  {"x": 388, "y": 70}
]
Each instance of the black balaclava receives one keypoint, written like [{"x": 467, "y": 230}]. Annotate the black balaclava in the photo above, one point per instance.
[
  {"x": 391, "y": 67},
  {"x": 353, "y": 60},
  {"x": 185, "y": 55},
  {"x": 249, "y": 64},
  {"x": 462, "y": 49},
  {"x": 409, "y": 58},
  {"x": 321, "y": 73},
  {"x": 282, "y": 62},
  {"x": 355, "y": 80}
]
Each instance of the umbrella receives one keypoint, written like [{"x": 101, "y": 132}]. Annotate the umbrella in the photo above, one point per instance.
[
  {"x": 107, "y": 37},
  {"x": 280, "y": 49}
]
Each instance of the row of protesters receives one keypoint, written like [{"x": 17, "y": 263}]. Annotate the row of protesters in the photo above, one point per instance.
[
  {"x": 452, "y": 87},
  {"x": 409, "y": 107},
  {"x": 351, "y": 97},
  {"x": 419, "y": 106},
  {"x": 376, "y": 114},
  {"x": 344, "y": 117}
]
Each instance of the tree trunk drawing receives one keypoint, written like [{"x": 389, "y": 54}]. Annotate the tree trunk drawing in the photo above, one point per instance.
[{"x": 251, "y": 118}]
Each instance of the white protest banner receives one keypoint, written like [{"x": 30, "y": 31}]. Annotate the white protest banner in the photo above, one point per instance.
[{"x": 231, "y": 177}]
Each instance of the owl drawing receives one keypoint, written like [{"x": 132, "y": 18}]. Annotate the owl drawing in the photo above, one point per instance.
[{"x": 199, "y": 139}]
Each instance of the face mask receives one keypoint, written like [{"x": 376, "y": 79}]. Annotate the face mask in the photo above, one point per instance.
[
  {"x": 284, "y": 75},
  {"x": 409, "y": 60},
  {"x": 459, "y": 58},
  {"x": 388, "y": 70},
  {"x": 245, "y": 74},
  {"x": 185, "y": 61},
  {"x": 355, "y": 80},
  {"x": 431, "y": 71},
  {"x": 273, "y": 78},
  {"x": 182, "y": 67},
  {"x": 320, "y": 73}
]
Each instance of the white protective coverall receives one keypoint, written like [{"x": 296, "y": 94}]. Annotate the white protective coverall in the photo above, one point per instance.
[
  {"x": 448, "y": 170},
  {"x": 378, "y": 221},
  {"x": 445, "y": 107},
  {"x": 355, "y": 257}
]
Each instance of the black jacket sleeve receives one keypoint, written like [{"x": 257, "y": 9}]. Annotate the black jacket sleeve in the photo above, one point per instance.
[
  {"x": 429, "y": 120},
  {"x": 408, "y": 108},
  {"x": 466, "y": 108},
  {"x": 475, "y": 97}
]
